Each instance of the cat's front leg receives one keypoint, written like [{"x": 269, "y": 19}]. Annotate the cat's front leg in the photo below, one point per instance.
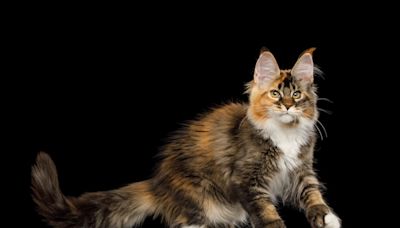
[
  {"x": 263, "y": 214},
  {"x": 259, "y": 206},
  {"x": 310, "y": 199}
]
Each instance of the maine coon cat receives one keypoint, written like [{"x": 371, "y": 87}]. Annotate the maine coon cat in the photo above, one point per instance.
[{"x": 230, "y": 166}]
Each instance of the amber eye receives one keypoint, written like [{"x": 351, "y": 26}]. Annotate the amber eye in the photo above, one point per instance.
[
  {"x": 296, "y": 95},
  {"x": 275, "y": 93}
]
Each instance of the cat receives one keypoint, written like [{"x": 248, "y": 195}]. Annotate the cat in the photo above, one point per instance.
[{"x": 229, "y": 167}]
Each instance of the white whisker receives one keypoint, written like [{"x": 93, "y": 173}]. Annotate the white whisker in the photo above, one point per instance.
[
  {"x": 324, "y": 99},
  {"x": 325, "y": 111},
  {"x": 323, "y": 128},
  {"x": 319, "y": 131}
]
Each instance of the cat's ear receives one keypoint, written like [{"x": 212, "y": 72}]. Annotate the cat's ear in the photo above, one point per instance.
[
  {"x": 303, "y": 70},
  {"x": 267, "y": 69}
]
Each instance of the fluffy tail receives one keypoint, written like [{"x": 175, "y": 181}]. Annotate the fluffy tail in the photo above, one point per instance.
[{"x": 124, "y": 207}]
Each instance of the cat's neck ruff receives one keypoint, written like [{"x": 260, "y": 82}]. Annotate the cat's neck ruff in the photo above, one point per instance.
[{"x": 289, "y": 139}]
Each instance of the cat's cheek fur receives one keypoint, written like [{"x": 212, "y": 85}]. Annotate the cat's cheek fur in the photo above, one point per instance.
[{"x": 332, "y": 221}]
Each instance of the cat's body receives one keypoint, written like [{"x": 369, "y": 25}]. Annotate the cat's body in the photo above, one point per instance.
[{"x": 230, "y": 166}]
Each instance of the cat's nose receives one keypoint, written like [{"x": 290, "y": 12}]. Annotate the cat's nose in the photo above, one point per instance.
[
  {"x": 287, "y": 106},
  {"x": 287, "y": 102}
]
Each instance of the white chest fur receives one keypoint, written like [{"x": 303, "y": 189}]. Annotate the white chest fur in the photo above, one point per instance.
[{"x": 289, "y": 141}]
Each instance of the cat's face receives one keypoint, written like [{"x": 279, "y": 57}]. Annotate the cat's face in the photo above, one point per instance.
[{"x": 285, "y": 96}]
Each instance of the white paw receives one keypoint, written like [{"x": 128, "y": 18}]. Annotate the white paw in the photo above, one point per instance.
[{"x": 332, "y": 221}]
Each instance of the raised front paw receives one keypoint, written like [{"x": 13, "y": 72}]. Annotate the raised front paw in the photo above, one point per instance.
[
  {"x": 276, "y": 224},
  {"x": 320, "y": 216}
]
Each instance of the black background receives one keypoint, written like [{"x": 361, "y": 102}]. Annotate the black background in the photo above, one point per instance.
[{"x": 99, "y": 90}]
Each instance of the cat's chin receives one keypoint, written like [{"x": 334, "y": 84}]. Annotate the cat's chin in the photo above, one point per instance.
[{"x": 286, "y": 119}]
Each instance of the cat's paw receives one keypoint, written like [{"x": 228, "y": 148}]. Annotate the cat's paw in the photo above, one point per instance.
[
  {"x": 332, "y": 221},
  {"x": 276, "y": 224},
  {"x": 320, "y": 216}
]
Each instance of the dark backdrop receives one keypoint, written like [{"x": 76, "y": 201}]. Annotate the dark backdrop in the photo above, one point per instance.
[{"x": 100, "y": 94}]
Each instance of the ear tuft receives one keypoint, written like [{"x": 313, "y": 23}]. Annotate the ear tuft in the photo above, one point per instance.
[
  {"x": 310, "y": 50},
  {"x": 263, "y": 49}
]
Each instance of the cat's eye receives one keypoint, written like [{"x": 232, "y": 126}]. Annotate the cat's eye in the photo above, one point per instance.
[
  {"x": 275, "y": 93},
  {"x": 296, "y": 95}
]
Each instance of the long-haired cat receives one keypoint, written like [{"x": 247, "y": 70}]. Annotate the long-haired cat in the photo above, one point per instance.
[{"x": 229, "y": 167}]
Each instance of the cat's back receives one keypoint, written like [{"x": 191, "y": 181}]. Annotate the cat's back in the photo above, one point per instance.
[
  {"x": 210, "y": 132},
  {"x": 222, "y": 118},
  {"x": 218, "y": 126}
]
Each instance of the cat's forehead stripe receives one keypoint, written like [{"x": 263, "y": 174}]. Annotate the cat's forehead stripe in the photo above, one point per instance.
[
  {"x": 286, "y": 85},
  {"x": 286, "y": 91}
]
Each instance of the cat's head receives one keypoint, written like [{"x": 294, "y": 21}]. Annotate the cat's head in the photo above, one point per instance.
[{"x": 286, "y": 97}]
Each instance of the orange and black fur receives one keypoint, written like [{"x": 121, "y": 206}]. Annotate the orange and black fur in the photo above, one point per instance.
[{"x": 229, "y": 167}]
